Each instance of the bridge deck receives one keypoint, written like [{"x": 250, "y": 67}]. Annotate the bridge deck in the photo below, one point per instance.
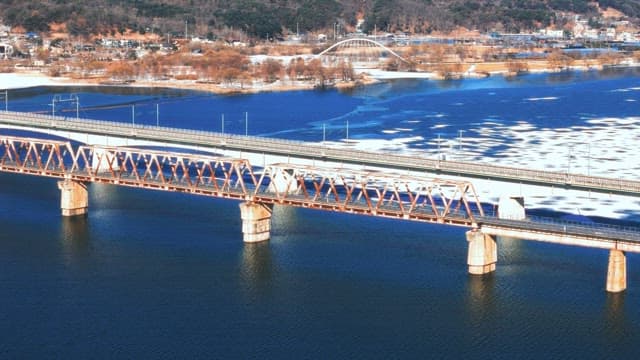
[
  {"x": 343, "y": 190},
  {"x": 305, "y": 150}
]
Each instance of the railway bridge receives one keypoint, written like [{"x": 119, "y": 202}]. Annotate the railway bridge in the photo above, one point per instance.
[{"x": 314, "y": 176}]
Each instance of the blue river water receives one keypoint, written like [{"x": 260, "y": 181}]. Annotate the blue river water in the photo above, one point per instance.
[{"x": 160, "y": 275}]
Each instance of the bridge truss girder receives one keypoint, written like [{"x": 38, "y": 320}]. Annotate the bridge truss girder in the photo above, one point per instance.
[{"x": 344, "y": 190}]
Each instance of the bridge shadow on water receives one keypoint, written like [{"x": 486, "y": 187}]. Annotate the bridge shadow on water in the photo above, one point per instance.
[
  {"x": 75, "y": 238},
  {"x": 257, "y": 269},
  {"x": 481, "y": 298},
  {"x": 617, "y": 328}
]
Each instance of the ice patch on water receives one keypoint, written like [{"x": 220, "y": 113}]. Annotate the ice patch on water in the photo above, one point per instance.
[
  {"x": 546, "y": 98},
  {"x": 597, "y": 146},
  {"x": 439, "y": 115},
  {"x": 635, "y": 88}
]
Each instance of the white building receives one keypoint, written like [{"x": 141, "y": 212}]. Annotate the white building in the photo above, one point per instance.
[
  {"x": 611, "y": 33},
  {"x": 554, "y": 34},
  {"x": 6, "y": 51},
  {"x": 626, "y": 37},
  {"x": 591, "y": 34}
]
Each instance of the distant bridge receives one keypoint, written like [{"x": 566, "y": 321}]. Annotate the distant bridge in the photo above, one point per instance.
[{"x": 360, "y": 49}]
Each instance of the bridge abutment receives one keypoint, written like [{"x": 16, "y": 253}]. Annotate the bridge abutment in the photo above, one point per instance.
[
  {"x": 511, "y": 208},
  {"x": 483, "y": 252},
  {"x": 74, "y": 198},
  {"x": 617, "y": 271},
  {"x": 256, "y": 221}
]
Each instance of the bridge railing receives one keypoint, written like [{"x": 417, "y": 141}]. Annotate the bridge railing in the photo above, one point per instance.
[
  {"x": 321, "y": 151},
  {"x": 350, "y": 191},
  {"x": 558, "y": 226}
]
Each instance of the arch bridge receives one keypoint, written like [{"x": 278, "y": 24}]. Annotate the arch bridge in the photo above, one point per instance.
[{"x": 360, "y": 50}]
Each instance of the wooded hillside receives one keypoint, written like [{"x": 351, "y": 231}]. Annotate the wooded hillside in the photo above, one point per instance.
[{"x": 262, "y": 18}]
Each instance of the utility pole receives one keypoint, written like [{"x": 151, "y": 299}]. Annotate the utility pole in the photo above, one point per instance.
[
  {"x": 157, "y": 115},
  {"x": 223, "y": 124},
  {"x": 6, "y": 100},
  {"x": 347, "y": 129},
  {"x": 246, "y": 123},
  {"x": 133, "y": 114},
  {"x": 589, "y": 158},
  {"x": 324, "y": 133},
  {"x": 569, "y": 160},
  {"x": 58, "y": 98}
]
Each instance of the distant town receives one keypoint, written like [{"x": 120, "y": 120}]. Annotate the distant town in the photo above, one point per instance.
[{"x": 237, "y": 62}]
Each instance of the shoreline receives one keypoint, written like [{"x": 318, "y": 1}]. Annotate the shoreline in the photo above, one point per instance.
[{"x": 27, "y": 79}]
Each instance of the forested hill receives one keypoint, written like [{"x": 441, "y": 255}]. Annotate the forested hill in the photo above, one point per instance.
[{"x": 263, "y": 18}]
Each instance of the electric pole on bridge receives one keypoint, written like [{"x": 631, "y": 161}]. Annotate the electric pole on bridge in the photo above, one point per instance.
[
  {"x": 71, "y": 98},
  {"x": 6, "y": 100},
  {"x": 347, "y": 129}
]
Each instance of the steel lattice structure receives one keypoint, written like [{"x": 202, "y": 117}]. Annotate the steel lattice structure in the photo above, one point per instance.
[
  {"x": 360, "y": 49},
  {"x": 344, "y": 190}
]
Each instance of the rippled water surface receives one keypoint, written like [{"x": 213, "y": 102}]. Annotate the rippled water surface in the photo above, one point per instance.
[{"x": 152, "y": 274}]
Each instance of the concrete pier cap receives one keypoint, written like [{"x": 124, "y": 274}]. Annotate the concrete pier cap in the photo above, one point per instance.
[
  {"x": 103, "y": 160},
  {"x": 511, "y": 207},
  {"x": 283, "y": 179}
]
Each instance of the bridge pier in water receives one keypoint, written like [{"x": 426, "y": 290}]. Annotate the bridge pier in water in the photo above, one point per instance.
[
  {"x": 256, "y": 221},
  {"x": 483, "y": 252},
  {"x": 617, "y": 271},
  {"x": 74, "y": 198}
]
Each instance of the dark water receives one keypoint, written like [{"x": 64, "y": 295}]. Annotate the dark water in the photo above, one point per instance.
[{"x": 160, "y": 275}]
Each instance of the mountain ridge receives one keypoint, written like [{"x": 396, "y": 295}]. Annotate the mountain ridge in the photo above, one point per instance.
[{"x": 269, "y": 18}]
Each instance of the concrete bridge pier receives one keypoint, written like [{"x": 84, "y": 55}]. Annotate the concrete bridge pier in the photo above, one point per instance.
[
  {"x": 483, "y": 253},
  {"x": 256, "y": 221},
  {"x": 283, "y": 180},
  {"x": 74, "y": 198},
  {"x": 511, "y": 208},
  {"x": 103, "y": 160},
  {"x": 617, "y": 271}
]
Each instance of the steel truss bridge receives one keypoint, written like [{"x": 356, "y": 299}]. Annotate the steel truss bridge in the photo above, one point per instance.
[
  {"x": 395, "y": 186},
  {"x": 81, "y": 128},
  {"x": 351, "y": 191},
  {"x": 366, "y": 192}
]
